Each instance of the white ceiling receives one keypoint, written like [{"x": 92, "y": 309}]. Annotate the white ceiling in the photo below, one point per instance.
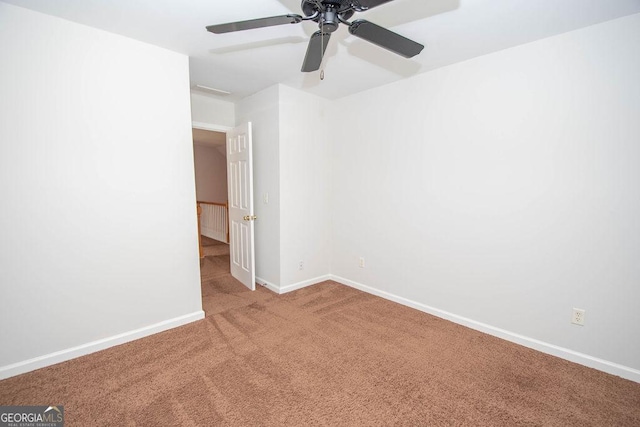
[{"x": 246, "y": 62}]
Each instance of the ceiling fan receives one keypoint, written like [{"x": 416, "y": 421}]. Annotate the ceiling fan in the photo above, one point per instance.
[{"x": 329, "y": 14}]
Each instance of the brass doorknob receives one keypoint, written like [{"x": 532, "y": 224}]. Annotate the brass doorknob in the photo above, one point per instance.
[{"x": 250, "y": 217}]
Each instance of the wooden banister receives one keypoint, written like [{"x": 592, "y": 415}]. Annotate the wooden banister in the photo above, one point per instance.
[
  {"x": 200, "y": 231},
  {"x": 226, "y": 206}
]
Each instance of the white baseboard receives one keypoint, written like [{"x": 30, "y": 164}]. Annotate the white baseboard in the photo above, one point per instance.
[
  {"x": 293, "y": 287},
  {"x": 268, "y": 285},
  {"x": 92, "y": 347},
  {"x": 304, "y": 284},
  {"x": 554, "y": 350}
]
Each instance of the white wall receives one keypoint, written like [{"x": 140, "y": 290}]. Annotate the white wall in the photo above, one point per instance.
[
  {"x": 503, "y": 190},
  {"x": 211, "y": 174},
  {"x": 209, "y": 110},
  {"x": 98, "y": 224},
  {"x": 292, "y": 166},
  {"x": 261, "y": 109},
  {"x": 305, "y": 176}
]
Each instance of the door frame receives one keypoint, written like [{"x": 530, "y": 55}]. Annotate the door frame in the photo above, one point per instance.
[
  {"x": 212, "y": 127},
  {"x": 224, "y": 129},
  {"x": 215, "y": 128}
]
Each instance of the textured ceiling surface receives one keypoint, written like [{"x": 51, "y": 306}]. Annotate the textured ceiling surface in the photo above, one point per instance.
[{"x": 248, "y": 61}]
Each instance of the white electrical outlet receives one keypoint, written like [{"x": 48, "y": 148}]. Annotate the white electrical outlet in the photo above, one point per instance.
[
  {"x": 265, "y": 198},
  {"x": 361, "y": 262},
  {"x": 577, "y": 317},
  {"x": 300, "y": 265}
]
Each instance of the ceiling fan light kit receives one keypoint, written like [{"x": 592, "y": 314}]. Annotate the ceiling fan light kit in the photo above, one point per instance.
[{"x": 329, "y": 14}]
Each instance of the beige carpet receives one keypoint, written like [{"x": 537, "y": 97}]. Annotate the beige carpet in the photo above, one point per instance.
[
  {"x": 212, "y": 247},
  {"x": 323, "y": 355}
]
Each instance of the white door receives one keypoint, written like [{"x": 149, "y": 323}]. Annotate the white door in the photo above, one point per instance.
[{"x": 240, "y": 179}]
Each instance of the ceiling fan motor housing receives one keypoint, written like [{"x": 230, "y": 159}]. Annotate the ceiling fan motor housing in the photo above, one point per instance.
[
  {"x": 334, "y": 10},
  {"x": 329, "y": 20}
]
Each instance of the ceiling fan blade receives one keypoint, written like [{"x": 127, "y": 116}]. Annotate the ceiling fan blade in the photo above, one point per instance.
[
  {"x": 315, "y": 51},
  {"x": 254, "y": 23},
  {"x": 368, "y": 4},
  {"x": 385, "y": 38}
]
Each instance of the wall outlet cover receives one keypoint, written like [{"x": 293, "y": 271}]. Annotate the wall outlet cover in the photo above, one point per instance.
[{"x": 577, "y": 316}]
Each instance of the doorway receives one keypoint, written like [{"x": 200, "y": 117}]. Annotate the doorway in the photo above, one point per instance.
[
  {"x": 224, "y": 193},
  {"x": 210, "y": 164}
]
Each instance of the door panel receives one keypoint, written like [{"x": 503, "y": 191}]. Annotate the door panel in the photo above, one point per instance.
[{"x": 241, "y": 217}]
